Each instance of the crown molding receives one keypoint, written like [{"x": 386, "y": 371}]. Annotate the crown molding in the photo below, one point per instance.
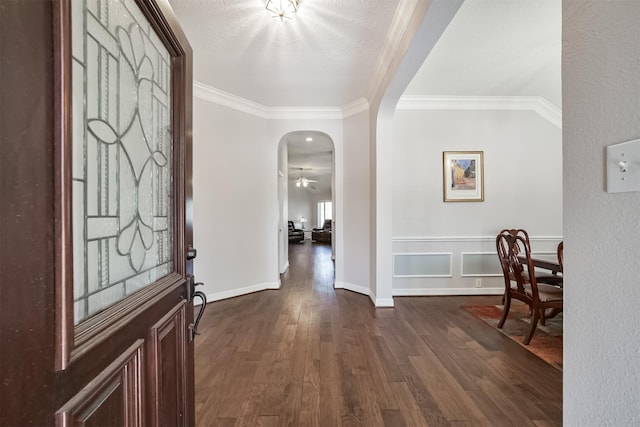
[
  {"x": 225, "y": 99},
  {"x": 537, "y": 104},
  {"x": 219, "y": 97},
  {"x": 355, "y": 107},
  {"x": 401, "y": 18}
]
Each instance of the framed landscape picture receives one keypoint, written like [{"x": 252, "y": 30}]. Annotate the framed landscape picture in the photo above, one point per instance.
[{"x": 463, "y": 176}]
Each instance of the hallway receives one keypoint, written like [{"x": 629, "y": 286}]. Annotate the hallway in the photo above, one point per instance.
[{"x": 308, "y": 355}]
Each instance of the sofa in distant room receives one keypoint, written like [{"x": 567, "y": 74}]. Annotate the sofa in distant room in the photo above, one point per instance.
[
  {"x": 295, "y": 234},
  {"x": 322, "y": 234}
]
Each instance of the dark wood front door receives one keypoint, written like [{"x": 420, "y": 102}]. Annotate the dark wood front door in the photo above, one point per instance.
[{"x": 96, "y": 303}]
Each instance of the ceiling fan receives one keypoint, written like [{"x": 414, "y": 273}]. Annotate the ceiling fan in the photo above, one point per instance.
[{"x": 302, "y": 181}]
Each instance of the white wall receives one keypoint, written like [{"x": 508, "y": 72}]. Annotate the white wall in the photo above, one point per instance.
[
  {"x": 523, "y": 189},
  {"x": 357, "y": 241},
  {"x": 235, "y": 201},
  {"x": 522, "y": 164},
  {"x": 304, "y": 203},
  {"x": 300, "y": 205},
  {"x": 283, "y": 205},
  {"x": 601, "y": 106},
  {"x": 236, "y": 197}
]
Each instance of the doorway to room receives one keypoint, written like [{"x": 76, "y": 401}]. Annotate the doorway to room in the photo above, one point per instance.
[{"x": 306, "y": 192}]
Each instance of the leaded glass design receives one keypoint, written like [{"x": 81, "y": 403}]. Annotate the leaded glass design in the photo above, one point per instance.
[{"x": 122, "y": 154}]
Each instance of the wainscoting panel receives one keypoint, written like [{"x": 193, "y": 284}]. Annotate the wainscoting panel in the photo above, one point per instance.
[
  {"x": 422, "y": 265},
  {"x": 480, "y": 264},
  {"x": 454, "y": 265}
]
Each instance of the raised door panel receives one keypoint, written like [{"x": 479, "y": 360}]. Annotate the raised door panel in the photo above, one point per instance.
[
  {"x": 167, "y": 350},
  {"x": 112, "y": 398}
]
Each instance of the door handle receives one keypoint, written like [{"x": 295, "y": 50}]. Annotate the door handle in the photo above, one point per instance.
[
  {"x": 191, "y": 294},
  {"x": 203, "y": 306}
]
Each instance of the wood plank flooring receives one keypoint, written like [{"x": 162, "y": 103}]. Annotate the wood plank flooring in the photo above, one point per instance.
[{"x": 309, "y": 355}]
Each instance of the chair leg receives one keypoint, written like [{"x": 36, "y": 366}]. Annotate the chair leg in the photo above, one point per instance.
[
  {"x": 542, "y": 318},
  {"x": 505, "y": 312},
  {"x": 534, "y": 324},
  {"x": 553, "y": 312}
]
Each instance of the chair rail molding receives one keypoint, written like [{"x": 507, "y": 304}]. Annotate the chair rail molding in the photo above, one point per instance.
[
  {"x": 537, "y": 104},
  {"x": 428, "y": 292},
  {"x": 466, "y": 238}
]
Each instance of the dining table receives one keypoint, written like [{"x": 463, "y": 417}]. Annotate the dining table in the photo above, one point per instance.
[{"x": 553, "y": 267}]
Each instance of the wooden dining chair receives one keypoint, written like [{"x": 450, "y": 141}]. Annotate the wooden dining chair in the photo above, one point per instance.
[
  {"x": 538, "y": 296},
  {"x": 560, "y": 252},
  {"x": 549, "y": 278}
]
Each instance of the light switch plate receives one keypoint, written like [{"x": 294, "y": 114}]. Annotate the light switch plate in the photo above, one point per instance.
[{"x": 623, "y": 167}]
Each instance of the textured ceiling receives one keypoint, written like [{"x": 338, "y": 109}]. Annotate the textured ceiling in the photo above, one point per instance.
[
  {"x": 497, "y": 48},
  {"x": 324, "y": 57}
]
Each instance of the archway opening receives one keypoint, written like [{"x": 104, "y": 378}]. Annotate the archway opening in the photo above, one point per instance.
[{"x": 306, "y": 191}]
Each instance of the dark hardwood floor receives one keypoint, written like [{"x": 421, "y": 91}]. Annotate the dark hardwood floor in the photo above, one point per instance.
[{"x": 309, "y": 355}]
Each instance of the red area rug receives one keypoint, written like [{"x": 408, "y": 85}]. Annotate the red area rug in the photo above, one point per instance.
[{"x": 547, "y": 340}]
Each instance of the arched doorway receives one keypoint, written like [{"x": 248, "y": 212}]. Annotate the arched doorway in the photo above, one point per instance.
[{"x": 306, "y": 186}]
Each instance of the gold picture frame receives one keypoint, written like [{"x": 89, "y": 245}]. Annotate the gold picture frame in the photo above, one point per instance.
[{"x": 463, "y": 176}]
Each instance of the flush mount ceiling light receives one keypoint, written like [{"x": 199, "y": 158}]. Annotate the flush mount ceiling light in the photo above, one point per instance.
[{"x": 283, "y": 9}]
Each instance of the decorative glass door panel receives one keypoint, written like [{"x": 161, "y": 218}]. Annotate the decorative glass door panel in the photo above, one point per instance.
[{"x": 123, "y": 237}]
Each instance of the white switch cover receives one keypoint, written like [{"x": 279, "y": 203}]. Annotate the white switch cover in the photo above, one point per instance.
[{"x": 623, "y": 167}]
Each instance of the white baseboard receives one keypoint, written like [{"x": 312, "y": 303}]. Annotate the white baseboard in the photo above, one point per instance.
[
  {"x": 354, "y": 288},
  {"x": 272, "y": 285},
  {"x": 377, "y": 302},
  {"x": 242, "y": 291},
  {"x": 419, "y": 292},
  {"x": 286, "y": 267},
  {"x": 382, "y": 302}
]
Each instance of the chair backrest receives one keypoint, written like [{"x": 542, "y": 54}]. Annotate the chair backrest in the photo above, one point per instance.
[
  {"x": 291, "y": 226},
  {"x": 503, "y": 256},
  {"x": 505, "y": 242},
  {"x": 561, "y": 254},
  {"x": 518, "y": 232},
  {"x": 521, "y": 266},
  {"x": 327, "y": 224}
]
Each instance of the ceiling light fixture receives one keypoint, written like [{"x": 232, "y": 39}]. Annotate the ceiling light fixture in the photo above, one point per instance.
[
  {"x": 309, "y": 139},
  {"x": 283, "y": 9},
  {"x": 304, "y": 182}
]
